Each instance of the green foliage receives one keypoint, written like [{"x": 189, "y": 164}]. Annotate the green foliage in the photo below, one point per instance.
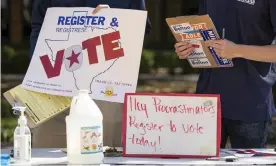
[
  {"x": 153, "y": 59},
  {"x": 149, "y": 57},
  {"x": 7, "y": 128},
  {"x": 14, "y": 61},
  {"x": 8, "y": 122},
  {"x": 8, "y": 52},
  {"x": 147, "y": 61},
  {"x": 6, "y": 111}
]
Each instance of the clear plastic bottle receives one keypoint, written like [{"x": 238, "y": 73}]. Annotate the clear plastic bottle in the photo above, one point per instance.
[
  {"x": 84, "y": 131},
  {"x": 22, "y": 139}
]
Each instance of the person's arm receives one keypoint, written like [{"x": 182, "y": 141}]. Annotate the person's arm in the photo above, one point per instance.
[
  {"x": 38, "y": 13},
  {"x": 228, "y": 49},
  {"x": 257, "y": 53},
  {"x": 261, "y": 53},
  {"x": 140, "y": 5}
]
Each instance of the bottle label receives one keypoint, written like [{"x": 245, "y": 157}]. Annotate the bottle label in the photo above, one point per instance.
[
  {"x": 91, "y": 140},
  {"x": 22, "y": 147}
]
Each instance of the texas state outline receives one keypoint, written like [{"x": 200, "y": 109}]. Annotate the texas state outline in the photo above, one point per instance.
[{"x": 67, "y": 39}]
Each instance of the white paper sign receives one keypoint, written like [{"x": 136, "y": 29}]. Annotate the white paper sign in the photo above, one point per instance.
[
  {"x": 171, "y": 125},
  {"x": 80, "y": 50}
]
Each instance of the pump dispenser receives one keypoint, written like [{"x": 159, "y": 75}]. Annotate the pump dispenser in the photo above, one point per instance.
[{"x": 22, "y": 138}]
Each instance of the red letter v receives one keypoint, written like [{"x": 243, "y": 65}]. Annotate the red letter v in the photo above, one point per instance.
[{"x": 49, "y": 69}]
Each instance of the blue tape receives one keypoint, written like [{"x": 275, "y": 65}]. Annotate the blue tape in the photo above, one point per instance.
[
  {"x": 5, "y": 159},
  {"x": 192, "y": 31}
]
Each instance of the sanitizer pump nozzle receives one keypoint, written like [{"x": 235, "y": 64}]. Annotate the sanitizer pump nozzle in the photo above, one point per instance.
[
  {"x": 22, "y": 120},
  {"x": 22, "y": 138}
]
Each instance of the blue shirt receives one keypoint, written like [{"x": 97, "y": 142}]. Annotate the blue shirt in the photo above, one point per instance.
[
  {"x": 245, "y": 89},
  {"x": 40, "y": 8}
]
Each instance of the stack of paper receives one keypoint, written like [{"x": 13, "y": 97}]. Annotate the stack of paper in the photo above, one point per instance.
[{"x": 40, "y": 106}]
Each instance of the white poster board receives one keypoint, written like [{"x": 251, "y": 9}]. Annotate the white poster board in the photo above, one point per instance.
[
  {"x": 80, "y": 50},
  {"x": 171, "y": 125}
]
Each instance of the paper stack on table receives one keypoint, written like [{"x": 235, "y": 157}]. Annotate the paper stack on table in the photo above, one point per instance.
[{"x": 40, "y": 106}]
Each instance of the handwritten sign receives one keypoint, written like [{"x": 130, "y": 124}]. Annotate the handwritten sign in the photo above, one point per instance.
[
  {"x": 80, "y": 50},
  {"x": 171, "y": 125}
]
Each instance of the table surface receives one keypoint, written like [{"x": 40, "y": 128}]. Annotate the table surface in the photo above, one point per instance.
[{"x": 56, "y": 156}]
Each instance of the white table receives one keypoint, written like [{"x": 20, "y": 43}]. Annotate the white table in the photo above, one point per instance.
[{"x": 57, "y": 157}]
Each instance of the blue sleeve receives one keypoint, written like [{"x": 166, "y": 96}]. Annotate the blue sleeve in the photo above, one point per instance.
[
  {"x": 202, "y": 8},
  {"x": 273, "y": 14},
  {"x": 38, "y": 13},
  {"x": 140, "y": 5}
]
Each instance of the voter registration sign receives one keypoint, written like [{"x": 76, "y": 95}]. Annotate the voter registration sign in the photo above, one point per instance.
[
  {"x": 171, "y": 125},
  {"x": 80, "y": 50}
]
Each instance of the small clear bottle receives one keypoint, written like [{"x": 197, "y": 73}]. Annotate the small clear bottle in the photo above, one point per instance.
[{"x": 22, "y": 139}]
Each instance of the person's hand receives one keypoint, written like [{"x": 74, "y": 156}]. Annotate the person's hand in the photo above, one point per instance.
[
  {"x": 99, "y": 7},
  {"x": 183, "y": 49},
  {"x": 223, "y": 48}
]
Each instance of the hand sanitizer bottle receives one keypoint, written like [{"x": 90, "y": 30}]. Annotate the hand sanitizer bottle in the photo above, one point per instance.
[
  {"x": 84, "y": 131},
  {"x": 22, "y": 138}
]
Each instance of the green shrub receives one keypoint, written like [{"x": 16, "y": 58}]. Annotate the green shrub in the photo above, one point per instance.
[
  {"x": 8, "y": 122},
  {"x": 6, "y": 111},
  {"x": 14, "y": 61},
  {"x": 8, "y": 52},
  {"x": 147, "y": 61},
  {"x": 8, "y": 126}
]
